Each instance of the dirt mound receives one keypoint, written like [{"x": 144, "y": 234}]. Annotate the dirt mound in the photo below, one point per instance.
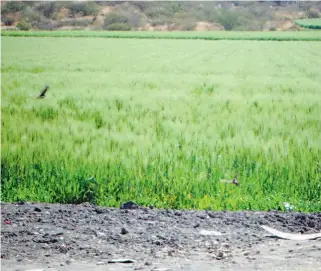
[{"x": 54, "y": 234}]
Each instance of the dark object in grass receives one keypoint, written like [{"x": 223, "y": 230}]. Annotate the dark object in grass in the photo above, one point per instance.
[
  {"x": 234, "y": 181},
  {"x": 43, "y": 92}
]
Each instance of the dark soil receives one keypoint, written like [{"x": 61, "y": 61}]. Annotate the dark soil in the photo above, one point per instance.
[{"x": 87, "y": 237}]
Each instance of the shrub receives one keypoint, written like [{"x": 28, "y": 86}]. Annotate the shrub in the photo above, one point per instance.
[
  {"x": 85, "y": 8},
  {"x": 24, "y": 25},
  {"x": 81, "y": 22},
  {"x": 118, "y": 27},
  {"x": 12, "y": 6},
  {"x": 227, "y": 19},
  {"x": 45, "y": 25},
  {"x": 190, "y": 26},
  {"x": 48, "y": 9},
  {"x": 31, "y": 15},
  {"x": 312, "y": 13},
  {"x": 8, "y": 21},
  {"x": 115, "y": 18}
]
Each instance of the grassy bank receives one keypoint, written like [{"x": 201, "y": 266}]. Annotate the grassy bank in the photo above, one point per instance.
[{"x": 161, "y": 121}]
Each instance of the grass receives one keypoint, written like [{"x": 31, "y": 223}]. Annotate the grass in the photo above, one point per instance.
[
  {"x": 310, "y": 23},
  {"x": 206, "y": 35},
  {"x": 161, "y": 121}
]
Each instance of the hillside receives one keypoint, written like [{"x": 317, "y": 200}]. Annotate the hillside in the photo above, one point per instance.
[{"x": 160, "y": 16}]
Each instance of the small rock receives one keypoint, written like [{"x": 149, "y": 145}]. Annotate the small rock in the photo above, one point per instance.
[
  {"x": 68, "y": 262},
  {"x": 196, "y": 225},
  {"x": 158, "y": 243},
  {"x": 129, "y": 205},
  {"x": 151, "y": 207},
  {"x": 311, "y": 223},
  {"x": 123, "y": 231},
  {"x": 225, "y": 246},
  {"x": 37, "y": 209},
  {"x": 220, "y": 255},
  {"x": 246, "y": 253},
  {"x": 99, "y": 210},
  {"x": 147, "y": 263}
]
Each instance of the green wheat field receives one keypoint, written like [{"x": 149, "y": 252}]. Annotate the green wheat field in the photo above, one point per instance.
[{"x": 161, "y": 121}]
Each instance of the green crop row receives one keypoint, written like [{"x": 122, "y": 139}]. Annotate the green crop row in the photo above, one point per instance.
[
  {"x": 216, "y": 35},
  {"x": 309, "y": 23}
]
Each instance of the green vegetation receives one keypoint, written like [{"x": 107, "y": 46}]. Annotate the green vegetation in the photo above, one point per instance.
[
  {"x": 161, "y": 15},
  {"x": 208, "y": 35},
  {"x": 309, "y": 23},
  {"x": 161, "y": 121}
]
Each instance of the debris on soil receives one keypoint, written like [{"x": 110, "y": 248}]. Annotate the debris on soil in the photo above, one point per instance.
[
  {"x": 121, "y": 261},
  {"x": 7, "y": 221},
  {"x": 206, "y": 232},
  {"x": 289, "y": 236},
  {"x": 129, "y": 205}
]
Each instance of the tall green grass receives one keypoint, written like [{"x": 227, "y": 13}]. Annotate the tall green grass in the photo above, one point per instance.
[
  {"x": 161, "y": 121},
  {"x": 206, "y": 35}
]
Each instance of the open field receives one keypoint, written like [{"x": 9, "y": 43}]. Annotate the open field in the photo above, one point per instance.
[
  {"x": 206, "y": 35},
  {"x": 161, "y": 121}
]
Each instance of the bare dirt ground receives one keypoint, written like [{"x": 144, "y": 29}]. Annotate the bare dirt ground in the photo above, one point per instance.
[{"x": 86, "y": 237}]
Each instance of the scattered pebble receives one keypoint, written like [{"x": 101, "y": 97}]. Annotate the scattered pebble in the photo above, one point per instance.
[
  {"x": 220, "y": 255},
  {"x": 123, "y": 231}
]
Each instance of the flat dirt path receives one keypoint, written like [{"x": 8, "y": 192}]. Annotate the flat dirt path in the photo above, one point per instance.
[{"x": 86, "y": 237}]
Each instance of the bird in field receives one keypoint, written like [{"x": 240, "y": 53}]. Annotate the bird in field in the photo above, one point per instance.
[
  {"x": 234, "y": 181},
  {"x": 43, "y": 92}
]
